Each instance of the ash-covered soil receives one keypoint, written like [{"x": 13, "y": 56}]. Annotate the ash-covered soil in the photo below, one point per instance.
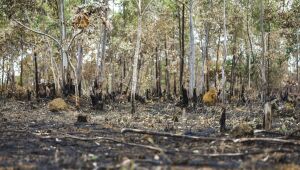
[{"x": 32, "y": 137}]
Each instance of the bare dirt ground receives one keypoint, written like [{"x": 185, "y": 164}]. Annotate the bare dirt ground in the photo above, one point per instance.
[{"x": 32, "y": 137}]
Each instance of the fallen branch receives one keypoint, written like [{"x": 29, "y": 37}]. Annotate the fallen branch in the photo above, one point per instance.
[
  {"x": 272, "y": 140},
  {"x": 293, "y": 134},
  {"x": 240, "y": 140},
  {"x": 128, "y": 130},
  {"x": 111, "y": 140},
  {"x": 240, "y": 154},
  {"x": 264, "y": 132}
]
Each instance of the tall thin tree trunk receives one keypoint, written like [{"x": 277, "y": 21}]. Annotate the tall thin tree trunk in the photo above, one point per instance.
[
  {"x": 263, "y": 67},
  {"x": 54, "y": 67},
  {"x": 158, "y": 73},
  {"x": 268, "y": 62},
  {"x": 12, "y": 73},
  {"x": 102, "y": 48},
  {"x": 167, "y": 71},
  {"x": 251, "y": 47},
  {"x": 136, "y": 58},
  {"x": 64, "y": 64},
  {"x": 192, "y": 53},
  {"x": 217, "y": 61},
  {"x": 182, "y": 49},
  {"x": 206, "y": 55},
  {"x": 139, "y": 73},
  {"x": 297, "y": 62},
  {"x": 202, "y": 66},
  {"x": 21, "y": 63},
  {"x": 225, "y": 55},
  {"x": 123, "y": 73},
  {"x": 2, "y": 77},
  {"x": 36, "y": 76},
  {"x": 78, "y": 72},
  {"x": 233, "y": 75}
]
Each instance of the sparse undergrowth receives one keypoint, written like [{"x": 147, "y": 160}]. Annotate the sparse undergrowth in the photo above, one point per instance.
[{"x": 31, "y": 135}]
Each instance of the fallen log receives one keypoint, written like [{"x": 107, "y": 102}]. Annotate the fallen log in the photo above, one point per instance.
[
  {"x": 107, "y": 139},
  {"x": 269, "y": 140},
  {"x": 139, "y": 131},
  {"x": 201, "y": 138}
]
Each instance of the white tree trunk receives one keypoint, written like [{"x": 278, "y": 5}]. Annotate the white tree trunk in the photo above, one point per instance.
[
  {"x": 225, "y": 55},
  {"x": 54, "y": 67},
  {"x": 102, "y": 51},
  {"x": 78, "y": 71},
  {"x": 63, "y": 53},
  {"x": 250, "y": 44},
  {"x": 192, "y": 53},
  {"x": 263, "y": 68},
  {"x": 202, "y": 66},
  {"x": 298, "y": 51},
  {"x": 136, "y": 57}
]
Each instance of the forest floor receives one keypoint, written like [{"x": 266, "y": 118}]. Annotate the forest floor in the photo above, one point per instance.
[{"x": 32, "y": 137}]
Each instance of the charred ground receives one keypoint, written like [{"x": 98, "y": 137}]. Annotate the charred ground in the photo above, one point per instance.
[{"x": 32, "y": 137}]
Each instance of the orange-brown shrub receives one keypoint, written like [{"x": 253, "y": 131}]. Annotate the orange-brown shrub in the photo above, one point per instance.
[{"x": 210, "y": 97}]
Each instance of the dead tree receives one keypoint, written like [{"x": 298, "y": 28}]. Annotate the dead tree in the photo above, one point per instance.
[
  {"x": 36, "y": 76},
  {"x": 223, "y": 120},
  {"x": 267, "y": 120}
]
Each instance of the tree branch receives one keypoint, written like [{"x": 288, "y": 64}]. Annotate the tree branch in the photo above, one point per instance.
[
  {"x": 115, "y": 141},
  {"x": 270, "y": 140},
  {"x": 73, "y": 38},
  {"x": 128, "y": 130},
  {"x": 145, "y": 9},
  {"x": 38, "y": 32}
]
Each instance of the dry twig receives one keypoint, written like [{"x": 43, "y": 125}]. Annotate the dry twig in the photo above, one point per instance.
[{"x": 128, "y": 130}]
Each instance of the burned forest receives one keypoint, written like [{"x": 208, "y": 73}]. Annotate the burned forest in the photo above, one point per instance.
[{"x": 149, "y": 84}]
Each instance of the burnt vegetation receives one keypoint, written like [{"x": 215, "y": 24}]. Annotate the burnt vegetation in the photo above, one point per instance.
[{"x": 149, "y": 84}]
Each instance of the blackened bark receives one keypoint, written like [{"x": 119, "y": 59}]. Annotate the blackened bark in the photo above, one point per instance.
[
  {"x": 223, "y": 120},
  {"x": 158, "y": 74},
  {"x": 182, "y": 49},
  {"x": 36, "y": 76},
  {"x": 167, "y": 72}
]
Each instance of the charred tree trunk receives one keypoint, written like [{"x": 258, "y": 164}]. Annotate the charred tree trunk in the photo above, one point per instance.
[
  {"x": 175, "y": 83},
  {"x": 192, "y": 54},
  {"x": 233, "y": 66},
  {"x": 297, "y": 57},
  {"x": 223, "y": 120},
  {"x": 167, "y": 71},
  {"x": 2, "y": 77},
  {"x": 182, "y": 49},
  {"x": 158, "y": 74},
  {"x": 207, "y": 29},
  {"x": 21, "y": 63},
  {"x": 297, "y": 62},
  {"x": 36, "y": 76}
]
